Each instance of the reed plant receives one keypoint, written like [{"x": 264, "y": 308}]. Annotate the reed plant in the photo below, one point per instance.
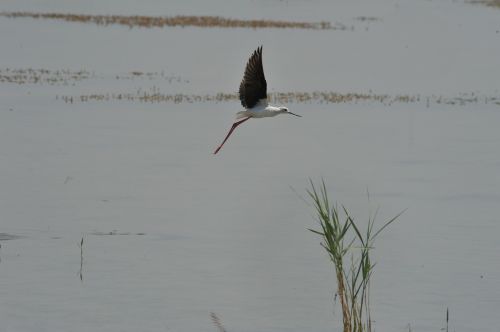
[{"x": 349, "y": 249}]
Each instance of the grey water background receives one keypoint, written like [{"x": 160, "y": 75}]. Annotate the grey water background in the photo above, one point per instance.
[{"x": 194, "y": 233}]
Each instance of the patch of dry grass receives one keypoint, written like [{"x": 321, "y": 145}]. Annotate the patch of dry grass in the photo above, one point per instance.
[
  {"x": 367, "y": 19},
  {"x": 70, "y": 77},
  {"x": 35, "y": 76},
  {"x": 180, "y": 21},
  {"x": 490, "y": 3},
  {"x": 65, "y": 77},
  {"x": 154, "y": 95},
  {"x": 322, "y": 97}
]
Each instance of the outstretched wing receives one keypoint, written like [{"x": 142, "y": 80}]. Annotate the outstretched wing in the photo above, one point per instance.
[{"x": 253, "y": 87}]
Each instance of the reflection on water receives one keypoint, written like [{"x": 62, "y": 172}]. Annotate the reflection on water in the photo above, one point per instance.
[{"x": 6, "y": 236}]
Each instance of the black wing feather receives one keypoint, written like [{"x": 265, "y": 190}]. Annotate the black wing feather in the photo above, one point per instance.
[{"x": 253, "y": 87}]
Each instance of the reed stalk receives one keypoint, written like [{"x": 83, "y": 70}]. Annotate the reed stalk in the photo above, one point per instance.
[{"x": 349, "y": 251}]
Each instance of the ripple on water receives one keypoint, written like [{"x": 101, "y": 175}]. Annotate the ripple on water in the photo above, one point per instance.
[{"x": 6, "y": 236}]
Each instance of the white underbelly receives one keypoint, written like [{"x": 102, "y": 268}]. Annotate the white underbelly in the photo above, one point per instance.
[{"x": 256, "y": 114}]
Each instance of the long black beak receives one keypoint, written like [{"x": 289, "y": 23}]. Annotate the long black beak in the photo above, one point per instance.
[{"x": 294, "y": 114}]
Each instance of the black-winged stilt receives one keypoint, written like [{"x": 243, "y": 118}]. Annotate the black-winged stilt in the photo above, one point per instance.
[{"x": 253, "y": 95}]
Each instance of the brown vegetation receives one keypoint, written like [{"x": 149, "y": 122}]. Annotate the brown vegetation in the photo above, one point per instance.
[
  {"x": 181, "y": 21},
  {"x": 320, "y": 97},
  {"x": 491, "y": 3},
  {"x": 367, "y": 19},
  {"x": 69, "y": 77},
  {"x": 65, "y": 77},
  {"x": 33, "y": 76}
]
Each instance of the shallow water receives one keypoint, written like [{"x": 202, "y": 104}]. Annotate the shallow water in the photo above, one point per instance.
[{"x": 172, "y": 233}]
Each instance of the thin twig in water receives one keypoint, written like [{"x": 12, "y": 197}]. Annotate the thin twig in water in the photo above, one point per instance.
[
  {"x": 81, "y": 260},
  {"x": 447, "y": 318}
]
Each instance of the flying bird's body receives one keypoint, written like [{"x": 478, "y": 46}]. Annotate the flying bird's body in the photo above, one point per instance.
[
  {"x": 261, "y": 110},
  {"x": 253, "y": 95}
]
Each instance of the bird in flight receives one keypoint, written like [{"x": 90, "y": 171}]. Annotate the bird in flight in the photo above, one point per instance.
[{"x": 253, "y": 95}]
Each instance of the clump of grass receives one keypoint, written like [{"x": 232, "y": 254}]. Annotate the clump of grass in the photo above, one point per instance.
[{"x": 349, "y": 250}]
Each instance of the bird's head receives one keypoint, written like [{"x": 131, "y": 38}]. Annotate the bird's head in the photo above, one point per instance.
[{"x": 285, "y": 110}]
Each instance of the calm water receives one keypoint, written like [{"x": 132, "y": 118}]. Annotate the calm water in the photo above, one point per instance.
[{"x": 172, "y": 233}]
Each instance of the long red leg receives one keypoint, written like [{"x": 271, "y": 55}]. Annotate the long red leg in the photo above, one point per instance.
[{"x": 236, "y": 124}]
